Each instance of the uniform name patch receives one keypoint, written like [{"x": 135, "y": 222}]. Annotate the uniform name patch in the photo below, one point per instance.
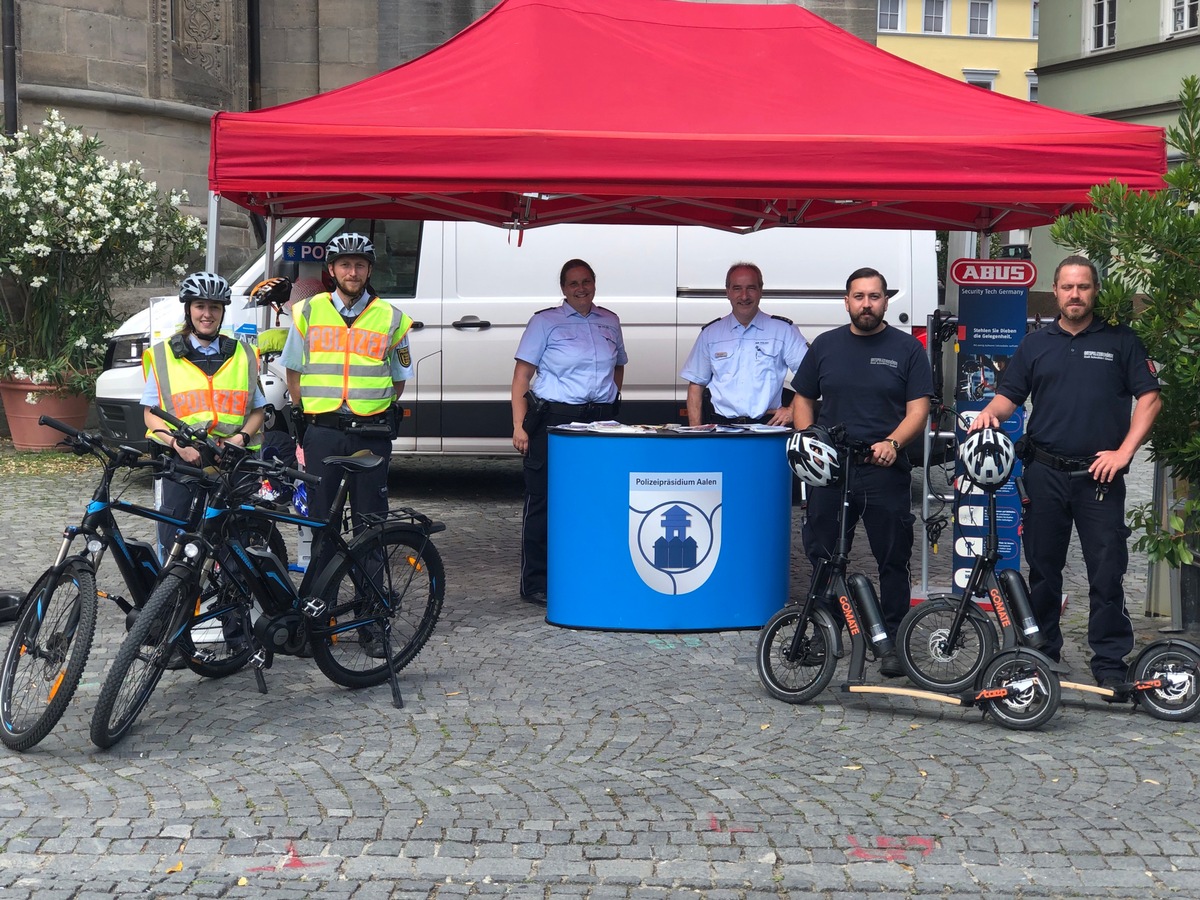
[
  {"x": 1098, "y": 354},
  {"x": 880, "y": 361}
]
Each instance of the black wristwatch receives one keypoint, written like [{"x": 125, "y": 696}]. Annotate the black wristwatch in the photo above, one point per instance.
[{"x": 245, "y": 438}]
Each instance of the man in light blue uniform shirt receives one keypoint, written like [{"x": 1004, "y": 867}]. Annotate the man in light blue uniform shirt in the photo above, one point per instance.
[{"x": 743, "y": 359}]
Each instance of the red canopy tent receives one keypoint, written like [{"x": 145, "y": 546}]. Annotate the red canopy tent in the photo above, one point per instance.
[{"x": 660, "y": 111}]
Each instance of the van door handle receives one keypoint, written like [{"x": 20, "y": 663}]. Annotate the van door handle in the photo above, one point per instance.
[
  {"x": 416, "y": 326},
  {"x": 472, "y": 322}
]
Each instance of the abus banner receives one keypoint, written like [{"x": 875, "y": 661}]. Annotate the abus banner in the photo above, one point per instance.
[{"x": 1015, "y": 272}]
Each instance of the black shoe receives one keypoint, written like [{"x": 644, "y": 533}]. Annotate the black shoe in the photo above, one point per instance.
[
  {"x": 175, "y": 663},
  {"x": 538, "y": 598},
  {"x": 1118, "y": 685},
  {"x": 372, "y": 643},
  {"x": 890, "y": 666}
]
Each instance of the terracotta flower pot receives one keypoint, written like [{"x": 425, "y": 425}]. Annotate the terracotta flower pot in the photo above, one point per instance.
[{"x": 22, "y": 416}]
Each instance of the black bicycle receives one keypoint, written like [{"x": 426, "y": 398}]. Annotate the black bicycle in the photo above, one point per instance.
[
  {"x": 799, "y": 646},
  {"x": 55, "y": 626},
  {"x": 366, "y": 613}
]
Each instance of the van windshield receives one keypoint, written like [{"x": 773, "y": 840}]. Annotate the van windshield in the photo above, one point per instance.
[{"x": 397, "y": 250}]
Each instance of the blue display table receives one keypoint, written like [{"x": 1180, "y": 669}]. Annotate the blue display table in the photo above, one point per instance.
[{"x": 667, "y": 532}]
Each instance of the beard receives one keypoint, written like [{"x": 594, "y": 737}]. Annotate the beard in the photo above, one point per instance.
[{"x": 866, "y": 321}]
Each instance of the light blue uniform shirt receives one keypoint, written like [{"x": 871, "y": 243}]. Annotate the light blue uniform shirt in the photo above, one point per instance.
[
  {"x": 150, "y": 392},
  {"x": 574, "y": 354},
  {"x": 292, "y": 355},
  {"x": 744, "y": 366}
]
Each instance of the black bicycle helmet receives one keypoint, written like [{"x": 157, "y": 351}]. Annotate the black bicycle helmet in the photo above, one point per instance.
[
  {"x": 987, "y": 456},
  {"x": 814, "y": 458},
  {"x": 271, "y": 292},
  {"x": 205, "y": 286},
  {"x": 349, "y": 244}
]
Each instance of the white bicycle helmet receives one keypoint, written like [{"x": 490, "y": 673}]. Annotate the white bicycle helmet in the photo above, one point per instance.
[
  {"x": 349, "y": 244},
  {"x": 814, "y": 458},
  {"x": 987, "y": 456},
  {"x": 205, "y": 286}
]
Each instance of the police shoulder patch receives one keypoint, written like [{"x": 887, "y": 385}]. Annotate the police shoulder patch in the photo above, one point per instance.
[{"x": 405, "y": 355}]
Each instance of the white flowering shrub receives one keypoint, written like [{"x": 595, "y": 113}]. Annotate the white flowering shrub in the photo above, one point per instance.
[{"x": 73, "y": 227}]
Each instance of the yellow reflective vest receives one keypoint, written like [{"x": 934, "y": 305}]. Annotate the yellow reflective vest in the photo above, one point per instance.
[
  {"x": 220, "y": 403},
  {"x": 348, "y": 364}
]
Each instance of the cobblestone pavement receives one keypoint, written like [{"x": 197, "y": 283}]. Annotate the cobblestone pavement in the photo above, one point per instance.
[{"x": 533, "y": 761}]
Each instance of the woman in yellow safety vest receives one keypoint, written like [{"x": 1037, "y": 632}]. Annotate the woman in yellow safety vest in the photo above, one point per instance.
[{"x": 204, "y": 378}]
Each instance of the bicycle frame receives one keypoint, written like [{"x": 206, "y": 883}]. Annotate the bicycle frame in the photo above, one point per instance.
[{"x": 261, "y": 578}]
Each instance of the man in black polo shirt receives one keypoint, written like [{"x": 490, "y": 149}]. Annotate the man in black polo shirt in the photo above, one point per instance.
[
  {"x": 875, "y": 380},
  {"x": 1082, "y": 374}
]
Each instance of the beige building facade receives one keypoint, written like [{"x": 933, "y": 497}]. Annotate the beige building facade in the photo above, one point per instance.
[{"x": 989, "y": 43}]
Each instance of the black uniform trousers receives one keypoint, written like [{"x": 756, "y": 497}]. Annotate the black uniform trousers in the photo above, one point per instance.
[
  {"x": 1056, "y": 501},
  {"x": 368, "y": 490},
  {"x": 535, "y": 515},
  {"x": 176, "y": 502},
  {"x": 880, "y": 497}
]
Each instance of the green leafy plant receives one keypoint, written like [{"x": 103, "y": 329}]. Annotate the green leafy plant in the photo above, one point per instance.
[
  {"x": 1147, "y": 246},
  {"x": 74, "y": 226}
]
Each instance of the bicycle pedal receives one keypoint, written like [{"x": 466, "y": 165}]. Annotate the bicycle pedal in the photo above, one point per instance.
[
  {"x": 204, "y": 655},
  {"x": 259, "y": 659},
  {"x": 314, "y": 607}
]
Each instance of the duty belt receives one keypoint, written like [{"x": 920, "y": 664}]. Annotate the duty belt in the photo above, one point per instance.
[
  {"x": 596, "y": 410},
  {"x": 344, "y": 422},
  {"x": 1061, "y": 463},
  {"x": 718, "y": 419}
]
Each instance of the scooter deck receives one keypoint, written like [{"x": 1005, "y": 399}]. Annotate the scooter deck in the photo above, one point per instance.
[
  {"x": 1087, "y": 688},
  {"x": 903, "y": 692}
]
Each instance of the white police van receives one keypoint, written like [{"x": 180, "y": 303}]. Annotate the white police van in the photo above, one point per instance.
[{"x": 471, "y": 288}]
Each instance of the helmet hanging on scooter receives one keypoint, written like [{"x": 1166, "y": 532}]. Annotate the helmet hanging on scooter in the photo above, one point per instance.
[
  {"x": 814, "y": 457},
  {"x": 987, "y": 456}
]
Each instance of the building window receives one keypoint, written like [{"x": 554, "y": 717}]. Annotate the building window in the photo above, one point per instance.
[
  {"x": 984, "y": 78},
  {"x": 1032, "y": 78},
  {"x": 1034, "y": 29},
  {"x": 1104, "y": 24},
  {"x": 891, "y": 15},
  {"x": 1185, "y": 15},
  {"x": 979, "y": 17},
  {"x": 935, "y": 17}
]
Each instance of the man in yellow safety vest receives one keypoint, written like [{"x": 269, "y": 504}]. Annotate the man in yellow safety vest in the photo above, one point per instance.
[{"x": 347, "y": 359}]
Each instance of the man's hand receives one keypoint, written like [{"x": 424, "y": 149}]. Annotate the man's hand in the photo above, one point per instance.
[
  {"x": 984, "y": 419},
  {"x": 1108, "y": 464},
  {"x": 883, "y": 454},
  {"x": 781, "y": 416},
  {"x": 520, "y": 440}
]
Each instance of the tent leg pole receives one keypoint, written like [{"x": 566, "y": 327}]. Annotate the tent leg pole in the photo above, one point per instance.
[{"x": 214, "y": 227}]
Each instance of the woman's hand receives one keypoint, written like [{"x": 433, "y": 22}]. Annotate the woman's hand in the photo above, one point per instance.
[{"x": 520, "y": 440}]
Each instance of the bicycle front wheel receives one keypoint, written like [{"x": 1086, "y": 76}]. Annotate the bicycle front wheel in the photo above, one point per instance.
[
  {"x": 142, "y": 659},
  {"x": 392, "y": 580},
  {"x": 47, "y": 654},
  {"x": 795, "y": 680},
  {"x": 931, "y": 659}
]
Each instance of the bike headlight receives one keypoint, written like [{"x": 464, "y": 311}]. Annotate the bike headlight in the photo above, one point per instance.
[
  {"x": 94, "y": 546},
  {"x": 191, "y": 550}
]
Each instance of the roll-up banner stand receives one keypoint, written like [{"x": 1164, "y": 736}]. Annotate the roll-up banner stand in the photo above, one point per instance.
[{"x": 993, "y": 298}]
